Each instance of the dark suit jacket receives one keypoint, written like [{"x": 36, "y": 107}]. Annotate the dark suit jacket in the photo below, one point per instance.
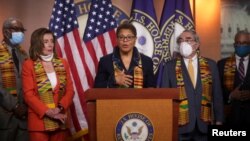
[
  {"x": 195, "y": 94},
  {"x": 238, "y": 114},
  {"x": 105, "y": 75},
  {"x": 226, "y": 92},
  {"x": 7, "y": 101}
]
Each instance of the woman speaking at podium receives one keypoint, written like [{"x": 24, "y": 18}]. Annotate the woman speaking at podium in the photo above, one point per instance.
[{"x": 125, "y": 67}]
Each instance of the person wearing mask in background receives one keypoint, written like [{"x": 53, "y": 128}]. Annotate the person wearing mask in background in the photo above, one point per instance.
[
  {"x": 125, "y": 67},
  {"x": 48, "y": 89},
  {"x": 13, "y": 111},
  {"x": 201, "y": 102},
  {"x": 235, "y": 81}
]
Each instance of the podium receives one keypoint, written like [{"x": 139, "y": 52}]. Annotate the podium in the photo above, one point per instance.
[{"x": 132, "y": 114}]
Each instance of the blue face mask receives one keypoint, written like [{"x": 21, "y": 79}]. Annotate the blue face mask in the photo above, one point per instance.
[
  {"x": 17, "y": 38},
  {"x": 242, "y": 51}
]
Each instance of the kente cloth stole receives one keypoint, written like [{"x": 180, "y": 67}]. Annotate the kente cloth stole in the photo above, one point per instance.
[
  {"x": 138, "y": 73},
  {"x": 7, "y": 70},
  {"x": 45, "y": 90},
  {"x": 229, "y": 73},
  {"x": 206, "y": 80}
]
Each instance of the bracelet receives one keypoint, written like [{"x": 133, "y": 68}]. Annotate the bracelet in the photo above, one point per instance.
[{"x": 60, "y": 108}]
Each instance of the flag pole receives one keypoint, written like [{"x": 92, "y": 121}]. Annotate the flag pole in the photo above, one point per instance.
[{"x": 194, "y": 11}]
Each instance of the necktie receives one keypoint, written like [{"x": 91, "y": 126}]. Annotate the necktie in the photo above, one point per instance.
[
  {"x": 191, "y": 71},
  {"x": 241, "y": 70},
  {"x": 15, "y": 59}
]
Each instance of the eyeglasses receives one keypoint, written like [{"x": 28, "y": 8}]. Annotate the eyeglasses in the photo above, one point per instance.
[
  {"x": 128, "y": 38},
  {"x": 187, "y": 40}
]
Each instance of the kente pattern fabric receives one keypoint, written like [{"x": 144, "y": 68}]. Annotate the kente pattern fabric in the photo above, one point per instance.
[
  {"x": 229, "y": 73},
  {"x": 7, "y": 69},
  {"x": 206, "y": 80},
  {"x": 45, "y": 90},
  {"x": 138, "y": 72}
]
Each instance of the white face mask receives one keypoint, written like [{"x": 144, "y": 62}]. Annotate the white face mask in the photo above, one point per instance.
[
  {"x": 47, "y": 58},
  {"x": 185, "y": 49}
]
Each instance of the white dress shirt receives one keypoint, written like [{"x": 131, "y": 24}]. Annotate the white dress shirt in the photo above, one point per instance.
[
  {"x": 52, "y": 78},
  {"x": 245, "y": 62},
  {"x": 195, "y": 65}
]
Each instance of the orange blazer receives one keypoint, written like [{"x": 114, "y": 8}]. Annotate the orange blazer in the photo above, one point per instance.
[{"x": 36, "y": 108}]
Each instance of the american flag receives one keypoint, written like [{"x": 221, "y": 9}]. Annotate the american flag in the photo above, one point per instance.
[
  {"x": 99, "y": 34},
  {"x": 83, "y": 56}
]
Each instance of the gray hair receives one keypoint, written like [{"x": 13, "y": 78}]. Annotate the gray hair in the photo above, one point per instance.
[{"x": 195, "y": 35}]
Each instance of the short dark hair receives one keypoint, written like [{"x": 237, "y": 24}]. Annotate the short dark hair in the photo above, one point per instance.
[
  {"x": 241, "y": 32},
  {"x": 8, "y": 23},
  {"x": 126, "y": 25},
  {"x": 36, "y": 43}
]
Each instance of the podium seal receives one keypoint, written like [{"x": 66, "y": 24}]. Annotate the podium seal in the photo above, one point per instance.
[{"x": 134, "y": 127}]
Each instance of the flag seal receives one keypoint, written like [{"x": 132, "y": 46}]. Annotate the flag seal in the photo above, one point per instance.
[
  {"x": 172, "y": 28},
  {"x": 148, "y": 36}
]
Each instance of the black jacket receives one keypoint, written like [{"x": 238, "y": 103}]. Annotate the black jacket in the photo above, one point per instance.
[{"x": 105, "y": 74}]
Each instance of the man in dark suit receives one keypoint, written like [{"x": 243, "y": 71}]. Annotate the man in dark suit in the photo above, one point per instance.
[
  {"x": 13, "y": 111},
  {"x": 235, "y": 79},
  {"x": 197, "y": 77}
]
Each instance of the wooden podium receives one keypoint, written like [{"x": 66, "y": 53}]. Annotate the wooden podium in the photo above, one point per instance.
[{"x": 109, "y": 108}]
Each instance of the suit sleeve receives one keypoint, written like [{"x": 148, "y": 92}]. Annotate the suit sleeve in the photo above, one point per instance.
[
  {"x": 103, "y": 77},
  {"x": 29, "y": 88},
  {"x": 150, "y": 78},
  {"x": 7, "y": 101},
  {"x": 67, "y": 99},
  {"x": 217, "y": 94},
  {"x": 165, "y": 80}
]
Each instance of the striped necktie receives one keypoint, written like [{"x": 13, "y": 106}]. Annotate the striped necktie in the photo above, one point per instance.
[{"x": 241, "y": 70}]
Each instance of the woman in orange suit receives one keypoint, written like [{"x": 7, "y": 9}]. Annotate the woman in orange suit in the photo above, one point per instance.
[{"x": 48, "y": 89}]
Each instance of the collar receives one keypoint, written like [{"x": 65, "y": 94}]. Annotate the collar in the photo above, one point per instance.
[
  {"x": 245, "y": 58},
  {"x": 194, "y": 58},
  {"x": 9, "y": 47},
  {"x": 117, "y": 58}
]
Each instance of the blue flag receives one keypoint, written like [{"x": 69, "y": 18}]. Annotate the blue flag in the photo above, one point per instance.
[
  {"x": 148, "y": 42},
  {"x": 176, "y": 17}
]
